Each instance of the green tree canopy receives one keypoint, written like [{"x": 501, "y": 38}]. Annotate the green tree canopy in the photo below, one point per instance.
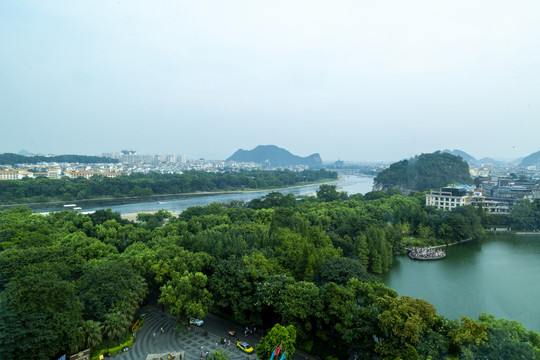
[
  {"x": 278, "y": 336},
  {"x": 111, "y": 286},
  {"x": 425, "y": 171},
  {"x": 40, "y": 316},
  {"x": 187, "y": 295},
  {"x": 341, "y": 270},
  {"x": 330, "y": 193}
]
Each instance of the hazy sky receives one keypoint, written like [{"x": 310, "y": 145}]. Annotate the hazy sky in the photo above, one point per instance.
[{"x": 357, "y": 80}]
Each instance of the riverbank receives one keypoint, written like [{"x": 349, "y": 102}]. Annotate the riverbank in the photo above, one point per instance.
[
  {"x": 197, "y": 193},
  {"x": 133, "y": 216},
  {"x": 405, "y": 246},
  {"x": 452, "y": 244},
  {"x": 510, "y": 232}
]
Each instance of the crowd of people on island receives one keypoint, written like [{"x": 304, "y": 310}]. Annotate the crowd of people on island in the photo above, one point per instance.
[{"x": 427, "y": 253}]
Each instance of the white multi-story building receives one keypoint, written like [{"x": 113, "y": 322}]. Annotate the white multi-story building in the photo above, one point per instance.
[
  {"x": 451, "y": 197},
  {"x": 89, "y": 174},
  {"x": 15, "y": 174},
  {"x": 54, "y": 173},
  {"x": 492, "y": 205}
]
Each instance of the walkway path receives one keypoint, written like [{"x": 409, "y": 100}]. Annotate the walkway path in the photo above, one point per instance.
[{"x": 190, "y": 342}]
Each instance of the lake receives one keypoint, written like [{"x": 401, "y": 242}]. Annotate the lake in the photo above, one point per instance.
[{"x": 498, "y": 275}]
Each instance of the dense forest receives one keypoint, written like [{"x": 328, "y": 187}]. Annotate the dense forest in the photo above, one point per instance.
[
  {"x": 12, "y": 159},
  {"x": 425, "y": 171},
  {"x": 70, "y": 281},
  {"x": 138, "y": 184}
]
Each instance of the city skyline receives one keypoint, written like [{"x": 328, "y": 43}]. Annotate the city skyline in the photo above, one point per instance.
[
  {"x": 184, "y": 158},
  {"x": 350, "y": 80}
]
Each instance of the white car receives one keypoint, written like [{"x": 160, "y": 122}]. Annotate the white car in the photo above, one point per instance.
[{"x": 195, "y": 321}]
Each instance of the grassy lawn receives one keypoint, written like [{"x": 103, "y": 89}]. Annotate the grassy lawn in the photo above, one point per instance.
[{"x": 412, "y": 241}]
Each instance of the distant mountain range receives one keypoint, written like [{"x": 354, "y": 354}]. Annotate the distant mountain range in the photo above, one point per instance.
[
  {"x": 533, "y": 159},
  {"x": 468, "y": 158},
  {"x": 24, "y": 152},
  {"x": 12, "y": 159},
  {"x": 272, "y": 155}
]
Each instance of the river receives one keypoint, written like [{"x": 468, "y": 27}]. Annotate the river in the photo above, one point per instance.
[
  {"x": 498, "y": 275},
  {"x": 350, "y": 183}
]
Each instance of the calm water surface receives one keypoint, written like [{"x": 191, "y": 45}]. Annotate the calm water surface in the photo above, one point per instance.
[
  {"x": 350, "y": 183},
  {"x": 499, "y": 275}
]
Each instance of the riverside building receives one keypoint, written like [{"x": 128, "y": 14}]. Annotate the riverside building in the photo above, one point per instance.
[{"x": 451, "y": 197}]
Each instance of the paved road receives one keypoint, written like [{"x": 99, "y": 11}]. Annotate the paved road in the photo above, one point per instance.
[{"x": 150, "y": 339}]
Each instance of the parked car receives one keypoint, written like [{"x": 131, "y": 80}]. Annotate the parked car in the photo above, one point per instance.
[
  {"x": 195, "y": 321},
  {"x": 244, "y": 346}
]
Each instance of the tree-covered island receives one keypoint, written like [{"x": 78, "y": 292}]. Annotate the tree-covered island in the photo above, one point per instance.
[{"x": 70, "y": 281}]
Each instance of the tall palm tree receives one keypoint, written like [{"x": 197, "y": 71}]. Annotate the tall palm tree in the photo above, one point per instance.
[
  {"x": 127, "y": 305},
  {"x": 92, "y": 333},
  {"x": 116, "y": 324}
]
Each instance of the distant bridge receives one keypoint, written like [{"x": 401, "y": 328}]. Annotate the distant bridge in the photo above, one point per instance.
[{"x": 354, "y": 171}]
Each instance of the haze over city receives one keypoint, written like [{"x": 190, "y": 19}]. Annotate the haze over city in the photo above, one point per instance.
[{"x": 356, "y": 80}]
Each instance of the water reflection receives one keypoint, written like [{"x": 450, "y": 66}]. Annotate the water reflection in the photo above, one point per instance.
[{"x": 497, "y": 275}]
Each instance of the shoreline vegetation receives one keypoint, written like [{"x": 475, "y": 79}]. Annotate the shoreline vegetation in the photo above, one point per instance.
[
  {"x": 196, "y": 193},
  {"x": 451, "y": 244},
  {"x": 537, "y": 233},
  {"x": 133, "y": 216},
  {"x": 511, "y": 232},
  {"x": 431, "y": 243},
  {"x": 134, "y": 186}
]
